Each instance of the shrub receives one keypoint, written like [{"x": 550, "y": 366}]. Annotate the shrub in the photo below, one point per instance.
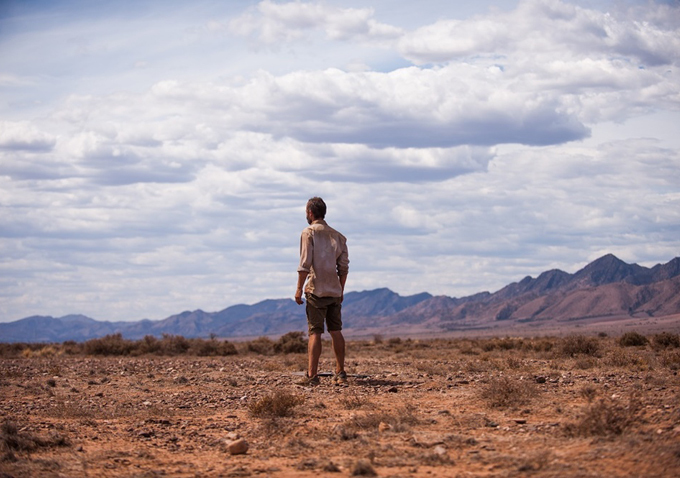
[
  {"x": 279, "y": 404},
  {"x": 399, "y": 420},
  {"x": 666, "y": 340},
  {"x": 212, "y": 347},
  {"x": 363, "y": 468},
  {"x": 148, "y": 345},
  {"x": 605, "y": 417},
  {"x": 503, "y": 392},
  {"x": 174, "y": 344},
  {"x": 11, "y": 439},
  {"x": 113, "y": 344},
  {"x": 632, "y": 339},
  {"x": 291, "y": 343},
  {"x": 578, "y": 344},
  {"x": 261, "y": 345}
]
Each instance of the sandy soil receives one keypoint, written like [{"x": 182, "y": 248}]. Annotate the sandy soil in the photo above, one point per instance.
[{"x": 414, "y": 408}]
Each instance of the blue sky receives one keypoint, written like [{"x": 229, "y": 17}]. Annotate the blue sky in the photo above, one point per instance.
[{"x": 156, "y": 156}]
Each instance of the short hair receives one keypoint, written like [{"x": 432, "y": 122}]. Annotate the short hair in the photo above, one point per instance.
[{"x": 317, "y": 207}]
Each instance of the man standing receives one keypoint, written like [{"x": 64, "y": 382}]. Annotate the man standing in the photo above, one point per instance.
[{"x": 324, "y": 264}]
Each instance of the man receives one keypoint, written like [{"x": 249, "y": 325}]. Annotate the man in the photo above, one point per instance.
[{"x": 324, "y": 264}]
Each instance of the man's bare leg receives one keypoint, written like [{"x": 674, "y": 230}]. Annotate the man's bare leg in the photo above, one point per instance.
[
  {"x": 338, "y": 350},
  {"x": 314, "y": 354}
]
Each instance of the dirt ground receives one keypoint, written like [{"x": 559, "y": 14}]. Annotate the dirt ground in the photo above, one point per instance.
[{"x": 575, "y": 406}]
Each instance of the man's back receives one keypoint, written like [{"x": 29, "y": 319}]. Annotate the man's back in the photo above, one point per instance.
[{"x": 323, "y": 253}]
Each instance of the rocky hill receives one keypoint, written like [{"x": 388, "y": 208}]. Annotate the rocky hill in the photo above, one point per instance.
[{"x": 605, "y": 288}]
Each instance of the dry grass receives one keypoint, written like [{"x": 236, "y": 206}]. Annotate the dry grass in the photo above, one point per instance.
[
  {"x": 278, "y": 404},
  {"x": 606, "y": 417},
  {"x": 504, "y": 392}
]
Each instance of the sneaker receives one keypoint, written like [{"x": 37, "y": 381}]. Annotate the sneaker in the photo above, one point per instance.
[
  {"x": 308, "y": 381},
  {"x": 340, "y": 378}
]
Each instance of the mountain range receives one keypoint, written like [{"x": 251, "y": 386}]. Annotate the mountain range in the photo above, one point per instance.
[{"x": 605, "y": 288}]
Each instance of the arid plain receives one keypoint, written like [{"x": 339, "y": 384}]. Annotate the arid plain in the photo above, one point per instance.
[{"x": 577, "y": 405}]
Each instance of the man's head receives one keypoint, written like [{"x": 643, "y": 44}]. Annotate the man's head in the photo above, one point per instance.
[{"x": 316, "y": 209}]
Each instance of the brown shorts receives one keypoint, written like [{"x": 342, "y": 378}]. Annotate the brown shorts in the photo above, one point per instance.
[{"x": 323, "y": 308}]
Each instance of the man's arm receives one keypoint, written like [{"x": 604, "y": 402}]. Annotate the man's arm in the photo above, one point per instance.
[
  {"x": 343, "y": 279},
  {"x": 302, "y": 277}
]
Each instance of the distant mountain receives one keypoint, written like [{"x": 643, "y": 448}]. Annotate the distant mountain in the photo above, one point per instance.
[{"x": 607, "y": 287}]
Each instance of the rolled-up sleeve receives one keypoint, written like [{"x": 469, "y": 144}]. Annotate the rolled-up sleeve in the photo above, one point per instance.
[
  {"x": 306, "y": 251},
  {"x": 343, "y": 260}
]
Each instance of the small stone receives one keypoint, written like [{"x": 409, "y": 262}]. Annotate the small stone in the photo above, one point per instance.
[
  {"x": 541, "y": 379},
  {"x": 520, "y": 421},
  {"x": 238, "y": 447},
  {"x": 439, "y": 450}
]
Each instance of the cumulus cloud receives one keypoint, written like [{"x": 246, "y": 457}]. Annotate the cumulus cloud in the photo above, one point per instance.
[
  {"x": 271, "y": 23},
  {"x": 24, "y": 136},
  {"x": 548, "y": 28}
]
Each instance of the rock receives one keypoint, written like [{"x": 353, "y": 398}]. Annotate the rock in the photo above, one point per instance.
[
  {"x": 238, "y": 447},
  {"x": 439, "y": 450},
  {"x": 383, "y": 427}
]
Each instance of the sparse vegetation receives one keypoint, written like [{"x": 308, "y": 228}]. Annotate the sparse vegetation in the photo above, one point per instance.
[
  {"x": 292, "y": 342},
  {"x": 666, "y": 340},
  {"x": 579, "y": 345},
  {"x": 503, "y": 392},
  {"x": 411, "y": 406},
  {"x": 277, "y": 404},
  {"x": 633, "y": 339},
  {"x": 606, "y": 417}
]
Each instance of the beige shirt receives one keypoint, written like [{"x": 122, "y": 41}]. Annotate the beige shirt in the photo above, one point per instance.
[{"x": 323, "y": 254}]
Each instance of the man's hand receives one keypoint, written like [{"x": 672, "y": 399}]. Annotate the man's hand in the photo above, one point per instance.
[{"x": 302, "y": 277}]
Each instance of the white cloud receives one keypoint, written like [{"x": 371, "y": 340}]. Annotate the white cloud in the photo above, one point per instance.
[
  {"x": 544, "y": 29},
  {"x": 271, "y": 23},
  {"x": 22, "y": 135}
]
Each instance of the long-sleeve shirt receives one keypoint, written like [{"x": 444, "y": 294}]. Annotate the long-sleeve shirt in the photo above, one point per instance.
[{"x": 323, "y": 254}]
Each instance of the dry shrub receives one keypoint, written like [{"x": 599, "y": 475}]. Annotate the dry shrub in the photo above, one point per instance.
[
  {"x": 399, "y": 421},
  {"x": 605, "y": 417},
  {"x": 211, "y": 348},
  {"x": 670, "y": 359},
  {"x": 506, "y": 343},
  {"x": 633, "y": 339},
  {"x": 363, "y": 468},
  {"x": 585, "y": 363},
  {"x": 589, "y": 392},
  {"x": 666, "y": 340},
  {"x": 278, "y": 404},
  {"x": 353, "y": 401},
  {"x": 174, "y": 345},
  {"x": 624, "y": 359},
  {"x": 579, "y": 345},
  {"x": 11, "y": 439},
  {"x": 113, "y": 344},
  {"x": 503, "y": 392},
  {"x": 148, "y": 345},
  {"x": 291, "y": 343},
  {"x": 261, "y": 345}
]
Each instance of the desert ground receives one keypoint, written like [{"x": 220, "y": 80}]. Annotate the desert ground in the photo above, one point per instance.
[{"x": 579, "y": 405}]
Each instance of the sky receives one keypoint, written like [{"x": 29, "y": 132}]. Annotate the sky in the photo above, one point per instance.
[{"x": 156, "y": 156}]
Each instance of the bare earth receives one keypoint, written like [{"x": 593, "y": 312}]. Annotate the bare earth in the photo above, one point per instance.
[{"x": 414, "y": 408}]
